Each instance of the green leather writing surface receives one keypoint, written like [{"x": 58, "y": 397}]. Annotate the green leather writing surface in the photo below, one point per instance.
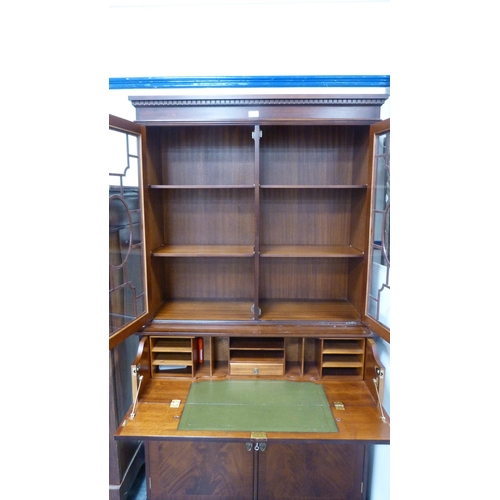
[{"x": 257, "y": 405}]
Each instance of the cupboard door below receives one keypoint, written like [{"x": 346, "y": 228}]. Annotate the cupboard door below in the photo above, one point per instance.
[
  {"x": 200, "y": 470},
  {"x": 311, "y": 470}
]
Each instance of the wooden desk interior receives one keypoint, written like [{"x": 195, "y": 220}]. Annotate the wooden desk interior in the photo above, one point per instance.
[{"x": 156, "y": 419}]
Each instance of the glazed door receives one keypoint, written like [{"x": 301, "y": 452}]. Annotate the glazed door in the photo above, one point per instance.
[
  {"x": 377, "y": 311},
  {"x": 128, "y": 304},
  {"x": 290, "y": 471}
]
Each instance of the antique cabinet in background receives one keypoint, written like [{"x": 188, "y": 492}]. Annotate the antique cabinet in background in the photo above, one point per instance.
[{"x": 259, "y": 249}]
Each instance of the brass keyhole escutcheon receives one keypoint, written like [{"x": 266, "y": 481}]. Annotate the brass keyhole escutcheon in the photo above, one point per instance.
[{"x": 256, "y": 446}]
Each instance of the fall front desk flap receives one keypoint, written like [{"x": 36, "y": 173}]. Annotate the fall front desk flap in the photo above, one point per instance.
[{"x": 257, "y": 405}]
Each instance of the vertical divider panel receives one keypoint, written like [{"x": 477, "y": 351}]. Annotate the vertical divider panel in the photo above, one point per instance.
[
  {"x": 256, "y": 135},
  {"x": 303, "y": 357},
  {"x": 211, "y": 354},
  {"x": 194, "y": 356},
  {"x": 319, "y": 356}
]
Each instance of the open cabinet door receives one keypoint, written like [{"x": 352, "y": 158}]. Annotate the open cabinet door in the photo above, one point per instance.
[
  {"x": 128, "y": 300},
  {"x": 377, "y": 309}
]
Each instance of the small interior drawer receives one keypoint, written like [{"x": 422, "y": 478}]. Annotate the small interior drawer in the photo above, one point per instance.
[{"x": 257, "y": 368}]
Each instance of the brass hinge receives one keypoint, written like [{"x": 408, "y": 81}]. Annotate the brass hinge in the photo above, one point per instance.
[
  {"x": 252, "y": 309},
  {"x": 258, "y": 435}
]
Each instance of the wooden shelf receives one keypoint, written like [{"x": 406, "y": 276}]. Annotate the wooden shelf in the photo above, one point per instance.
[
  {"x": 324, "y": 251},
  {"x": 201, "y": 186},
  {"x": 342, "y": 358},
  {"x": 176, "y": 344},
  {"x": 257, "y": 356},
  {"x": 271, "y": 310},
  {"x": 206, "y": 310},
  {"x": 257, "y": 343},
  {"x": 342, "y": 362},
  {"x": 313, "y": 186},
  {"x": 304, "y": 358},
  {"x": 297, "y": 310},
  {"x": 172, "y": 356},
  {"x": 247, "y": 357},
  {"x": 204, "y": 251},
  {"x": 343, "y": 346},
  {"x": 172, "y": 359}
]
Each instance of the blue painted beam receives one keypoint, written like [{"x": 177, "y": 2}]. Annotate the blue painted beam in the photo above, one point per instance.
[{"x": 312, "y": 81}]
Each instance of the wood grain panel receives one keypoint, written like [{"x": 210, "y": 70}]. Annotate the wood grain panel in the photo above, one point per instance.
[
  {"x": 311, "y": 470},
  {"x": 206, "y": 310},
  {"x": 282, "y": 310},
  {"x": 361, "y": 157},
  {"x": 208, "y": 155},
  {"x": 200, "y": 469},
  {"x": 306, "y": 279},
  {"x": 209, "y": 217},
  {"x": 307, "y": 155},
  {"x": 209, "y": 278},
  {"x": 305, "y": 217}
]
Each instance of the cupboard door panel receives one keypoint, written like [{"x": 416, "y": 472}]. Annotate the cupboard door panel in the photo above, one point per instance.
[
  {"x": 311, "y": 470},
  {"x": 198, "y": 470}
]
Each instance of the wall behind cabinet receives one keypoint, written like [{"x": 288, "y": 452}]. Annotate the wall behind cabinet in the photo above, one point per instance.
[
  {"x": 196, "y": 38},
  {"x": 231, "y": 38}
]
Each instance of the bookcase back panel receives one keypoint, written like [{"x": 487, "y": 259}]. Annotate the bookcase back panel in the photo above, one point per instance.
[
  {"x": 208, "y": 156},
  {"x": 209, "y": 217},
  {"x": 310, "y": 155},
  {"x": 305, "y": 217},
  {"x": 303, "y": 279},
  {"x": 209, "y": 278}
]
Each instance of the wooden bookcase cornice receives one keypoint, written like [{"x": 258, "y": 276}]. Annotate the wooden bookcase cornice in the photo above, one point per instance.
[
  {"x": 259, "y": 109},
  {"x": 317, "y": 100}
]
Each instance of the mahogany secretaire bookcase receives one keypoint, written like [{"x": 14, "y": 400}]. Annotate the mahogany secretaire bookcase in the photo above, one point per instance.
[{"x": 249, "y": 258}]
